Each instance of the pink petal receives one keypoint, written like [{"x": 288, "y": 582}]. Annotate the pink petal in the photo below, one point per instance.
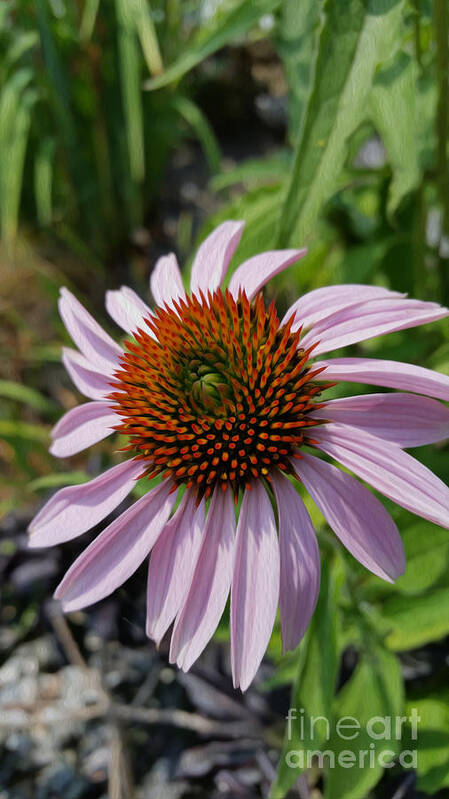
[
  {"x": 255, "y": 585},
  {"x": 81, "y": 427},
  {"x": 118, "y": 551},
  {"x": 300, "y": 563},
  {"x": 252, "y": 274},
  {"x": 388, "y": 469},
  {"x": 405, "y": 419},
  {"x": 87, "y": 378},
  {"x": 358, "y": 519},
  {"x": 165, "y": 281},
  {"x": 172, "y": 563},
  {"x": 316, "y": 305},
  {"x": 368, "y": 320},
  {"x": 99, "y": 348},
  {"x": 392, "y": 374},
  {"x": 127, "y": 309},
  {"x": 75, "y": 509},
  {"x": 213, "y": 257},
  {"x": 209, "y": 587}
]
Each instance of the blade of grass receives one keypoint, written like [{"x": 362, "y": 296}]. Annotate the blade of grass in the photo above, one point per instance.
[
  {"x": 148, "y": 38},
  {"x": 20, "y": 393},
  {"x": 57, "y": 480},
  {"x": 227, "y": 27},
  {"x": 203, "y": 130},
  {"x": 43, "y": 176},
  {"x": 129, "y": 65},
  {"x": 88, "y": 20},
  {"x": 12, "y": 166},
  {"x": 356, "y": 37}
]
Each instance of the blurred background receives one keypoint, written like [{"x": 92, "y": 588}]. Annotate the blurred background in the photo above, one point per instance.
[{"x": 128, "y": 129}]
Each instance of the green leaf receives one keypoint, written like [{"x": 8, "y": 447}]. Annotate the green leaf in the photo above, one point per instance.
[
  {"x": 227, "y": 27},
  {"x": 297, "y": 47},
  {"x": 412, "y": 622},
  {"x": 393, "y": 112},
  {"x": 56, "y": 480},
  {"x": 254, "y": 171},
  {"x": 427, "y": 557},
  {"x": 374, "y": 690},
  {"x": 148, "y": 38},
  {"x": 88, "y": 19},
  {"x": 29, "y": 432},
  {"x": 203, "y": 130},
  {"x": 43, "y": 178},
  {"x": 129, "y": 65},
  {"x": 356, "y": 37},
  {"x": 16, "y": 102},
  {"x": 313, "y": 691},
  {"x": 21, "y": 393},
  {"x": 431, "y": 742}
]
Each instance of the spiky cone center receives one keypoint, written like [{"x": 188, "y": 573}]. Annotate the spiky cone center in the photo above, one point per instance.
[{"x": 216, "y": 392}]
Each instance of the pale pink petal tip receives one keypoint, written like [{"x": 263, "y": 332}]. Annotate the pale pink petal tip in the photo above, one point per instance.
[
  {"x": 255, "y": 585},
  {"x": 213, "y": 257},
  {"x": 358, "y": 519},
  {"x": 300, "y": 563},
  {"x": 74, "y": 509},
  {"x": 118, "y": 551},
  {"x": 127, "y": 309},
  {"x": 390, "y": 470},
  {"x": 205, "y": 601},
  {"x": 97, "y": 346},
  {"x": 172, "y": 562},
  {"x": 166, "y": 281},
  {"x": 81, "y": 427},
  {"x": 252, "y": 274},
  {"x": 87, "y": 379},
  {"x": 368, "y": 320}
]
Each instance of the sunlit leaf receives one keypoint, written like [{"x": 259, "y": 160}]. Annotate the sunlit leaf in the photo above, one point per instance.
[
  {"x": 315, "y": 682},
  {"x": 393, "y": 111},
  {"x": 374, "y": 690},
  {"x": 225, "y": 29},
  {"x": 355, "y": 39}
]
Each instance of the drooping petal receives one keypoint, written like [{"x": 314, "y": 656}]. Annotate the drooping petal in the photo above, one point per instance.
[
  {"x": 391, "y": 374},
  {"x": 389, "y": 469},
  {"x": 127, "y": 309},
  {"x": 166, "y": 281},
  {"x": 171, "y": 565},
  {"x": 318, "y": 304},
  {"x": 368, "y": 320},
  {"x": 81, "y": 427},
  {"x": 214, "y": 255},
  {"x": 118, "y": 551},
  {"x": 87, "y": 378},
  {"x": 75, "y": 509},
  {"x": 252, "y": 274},
  {"x": 99, "y": 348},
  {"x": 300, "y": 563},
  {"x": 255, "y": 585},
  {"x": 209, "y": 588},
  {"x": 406, "y": 419},
  {"x": 358, "y": 519}
]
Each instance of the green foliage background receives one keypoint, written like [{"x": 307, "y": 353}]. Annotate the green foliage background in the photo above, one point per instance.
[{"x": 94, "y": 101}]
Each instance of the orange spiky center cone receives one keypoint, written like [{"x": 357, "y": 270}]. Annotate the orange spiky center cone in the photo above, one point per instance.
[{"x": 215, "y": 392}]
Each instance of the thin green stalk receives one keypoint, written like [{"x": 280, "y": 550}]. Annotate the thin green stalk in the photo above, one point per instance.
[
  {"x": 417, "y": 30},
  {"x": 148, "y": 38},
  {"x": 441, "y": 21},
  {"x": 88, "y": 19}
]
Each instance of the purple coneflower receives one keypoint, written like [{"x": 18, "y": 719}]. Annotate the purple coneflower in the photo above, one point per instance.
[{"x": 222, "y": 401}]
